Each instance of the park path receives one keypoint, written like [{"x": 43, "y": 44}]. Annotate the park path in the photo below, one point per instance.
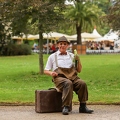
[{"x": 101, "y": 112}]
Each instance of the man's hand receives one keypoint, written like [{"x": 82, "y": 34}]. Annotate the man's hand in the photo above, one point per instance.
[
  {"x": 51, "y": 73},
  {"x": 77, "y": 57},
  {"x": 54, "y": 74}
]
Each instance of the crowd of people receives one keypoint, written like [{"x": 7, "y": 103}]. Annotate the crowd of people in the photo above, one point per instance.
[
  {"x": 52, "y": 47},
  {"x": 90, "y": 45},
  {"x": 99, "y": 45}
]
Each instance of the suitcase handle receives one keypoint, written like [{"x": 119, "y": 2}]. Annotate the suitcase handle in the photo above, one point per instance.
[{"x": 52, "y": 89}]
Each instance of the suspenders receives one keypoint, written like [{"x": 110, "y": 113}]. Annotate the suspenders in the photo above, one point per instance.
[{"x": 56, "y": 58}]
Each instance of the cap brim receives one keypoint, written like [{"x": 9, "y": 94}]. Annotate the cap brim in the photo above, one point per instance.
[{"x": 63, "y": 41}]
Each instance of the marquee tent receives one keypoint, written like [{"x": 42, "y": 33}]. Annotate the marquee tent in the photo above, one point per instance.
[
  {"x": 24, "y": 37},
  {"x": 54, "y": 35},
  {"x": 95, "y": 32},
  {"x": 50, "y": 35},
  {"x": 16, "y": 37},
  {"x": 110, "y": 36},
  {"x": 85, "y": 36},
  {"x": 88, "y": 36}
]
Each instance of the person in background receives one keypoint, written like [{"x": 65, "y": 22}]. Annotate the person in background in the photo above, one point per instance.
[
  {"x": 111, "y": 46},
  {"x": 61, "y": 67},
  {"x": 53, "y": 48},
  {"x": 35, "y": 46}
]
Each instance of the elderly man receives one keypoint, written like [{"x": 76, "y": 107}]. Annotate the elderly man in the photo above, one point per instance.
[{"x": 64, "y": 73}]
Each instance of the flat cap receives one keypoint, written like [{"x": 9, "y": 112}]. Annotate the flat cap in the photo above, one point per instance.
[{"x": 63, "y": 39}]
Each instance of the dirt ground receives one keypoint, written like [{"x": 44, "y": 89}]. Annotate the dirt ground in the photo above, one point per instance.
[{"x": 101, "y": 112}]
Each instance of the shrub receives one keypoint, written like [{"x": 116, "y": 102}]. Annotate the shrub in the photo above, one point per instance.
[{"x": 14, "y": 49}]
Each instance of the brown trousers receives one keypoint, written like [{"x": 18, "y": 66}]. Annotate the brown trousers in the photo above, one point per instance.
[{"x": 67, "y": 81}]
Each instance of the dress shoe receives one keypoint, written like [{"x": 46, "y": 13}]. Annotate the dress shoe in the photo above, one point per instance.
[
  {"x": 84, "y": 109},
  {"x": 65, "y": 110}
]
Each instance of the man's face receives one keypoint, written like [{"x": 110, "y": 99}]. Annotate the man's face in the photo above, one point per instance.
[{"x": 62, "y": 46}]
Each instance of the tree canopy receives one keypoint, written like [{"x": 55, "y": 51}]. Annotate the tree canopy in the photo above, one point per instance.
[
  {"x": 45, "y": 14},
  {"x": 82, "y": 16},
  {"x": 114, "y": 16}
]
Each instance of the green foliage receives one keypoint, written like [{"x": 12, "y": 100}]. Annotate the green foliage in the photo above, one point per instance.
[
  {"x": 23, "y": 13},
  {"x": 42, "y": 14},
  {"x": 5, "y": 34},
  {"x": 14, "y": 49},
  {"x": 114, "y": 16},
  {"x": 82, "y": 16},
  {"x": 100, "y": 7},
  {"x": 102, "y": 4}
]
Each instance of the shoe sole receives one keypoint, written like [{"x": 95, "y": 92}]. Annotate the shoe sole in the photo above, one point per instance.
[
  {"x": 85, "y": 112},
  {"x": 65, "y": 113}
]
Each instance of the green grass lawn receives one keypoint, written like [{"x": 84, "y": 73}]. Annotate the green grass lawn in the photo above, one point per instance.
[{"x": 19, "y": 78}]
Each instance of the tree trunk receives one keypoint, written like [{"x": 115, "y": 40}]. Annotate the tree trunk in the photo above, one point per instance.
[
  {"x": 81, "y": 49},
  {"x": 79, "y": 38},
  {"x": 41, "y": 64}
]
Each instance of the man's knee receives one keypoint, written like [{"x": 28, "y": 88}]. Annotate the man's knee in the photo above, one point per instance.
[
  {"x": 82, "y": 83},
  {"x": 68, "y": 83}
]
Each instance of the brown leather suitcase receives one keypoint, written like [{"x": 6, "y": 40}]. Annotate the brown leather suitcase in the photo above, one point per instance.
[{"x": 48, "y": 101}]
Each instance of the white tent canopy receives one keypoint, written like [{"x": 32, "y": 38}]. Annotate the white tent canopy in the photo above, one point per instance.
[
  {"x": 16, "y": 37},
  {"x": 88, "y": 36},
  {"x": 54, "y": 35},
  {"x": 96, "y": 33},
  {"x": 50, "y": 35},
  {"x": 104, "y": 39},
  {"x": 110, "y": 36},
  {"x": 85, "y": 36},
  {"x": 31, "y": 37},
  {"x": 28, "y": 37}
]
